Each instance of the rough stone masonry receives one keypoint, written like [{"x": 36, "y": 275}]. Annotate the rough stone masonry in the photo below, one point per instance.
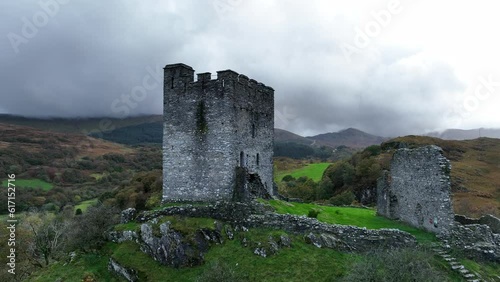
[
  {"x": 211, "y": 127},
  {"x": 417, "y": 189}
]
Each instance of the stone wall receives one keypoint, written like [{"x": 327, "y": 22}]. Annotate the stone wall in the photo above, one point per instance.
[
  {"x": 477, "y": 241},
  {"x": 212, "y": 126},
  {"x": 492, "y": 221},
  {"x": 256, "y": 215},
  {"x": 417, "y": 189}
]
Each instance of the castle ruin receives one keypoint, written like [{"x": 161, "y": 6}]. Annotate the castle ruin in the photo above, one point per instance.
[
  {"x": 417, "y": 190},
  {"x": 217, "y": 133}
]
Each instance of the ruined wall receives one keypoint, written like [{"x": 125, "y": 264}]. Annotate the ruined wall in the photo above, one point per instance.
[
  {"x": 210, "y": 127},
  {"x": 492, "y": 221},
  {"x": 417, "y": 189}
]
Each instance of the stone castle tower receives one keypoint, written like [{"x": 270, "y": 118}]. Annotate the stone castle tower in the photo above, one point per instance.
[{"x": 212, "y": 129}]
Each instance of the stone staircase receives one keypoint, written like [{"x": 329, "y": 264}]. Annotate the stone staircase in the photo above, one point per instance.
[{"x": 443, "y": 250}]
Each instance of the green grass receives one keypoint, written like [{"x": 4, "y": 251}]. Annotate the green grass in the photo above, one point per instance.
[
  {"x": 30, "y": 183},
  {"x": 85, "y": 265},
  {"x": 302, "y": 262},
  {"x": 86, "y": 204},
  {"x": 132, "y": 226},
  {"x": 488, "y": 270},
  {"x": 188, "y": 225},
  {"x": 313, "y": 171},
  {"x": 351, "y": 216}
]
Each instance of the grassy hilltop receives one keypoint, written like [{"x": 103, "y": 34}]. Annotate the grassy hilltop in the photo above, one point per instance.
[{"x": 234, "y": 260}]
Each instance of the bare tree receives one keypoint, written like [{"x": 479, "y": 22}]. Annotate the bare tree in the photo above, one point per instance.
[{"x": 46, "y": 238}]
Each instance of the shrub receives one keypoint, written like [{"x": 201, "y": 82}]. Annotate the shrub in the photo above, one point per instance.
[
  {"x": 344, "y": 198},
  {"x": 87, "y": 231},
  {"x": 313, "y": 213},
  {"x": 153, "y": 202},
  {"x": 287, "y": 178}
]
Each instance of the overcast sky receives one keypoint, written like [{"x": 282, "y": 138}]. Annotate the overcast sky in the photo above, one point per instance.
[{"x": 386, "y": 67}]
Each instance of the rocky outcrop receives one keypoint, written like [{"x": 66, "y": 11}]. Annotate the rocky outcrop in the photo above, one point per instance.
[
  {"x": 172, "y": 248},
  {"x": 127, "y": 215},
  {"x": 127, "y": 273},
  {"x": 122, "y": 236},
  {"x": 324, "y": 240},
  {"x": 268, "y": 247}
]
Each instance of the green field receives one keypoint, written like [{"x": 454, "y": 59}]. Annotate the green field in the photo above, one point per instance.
[
  {"x": 30, "y": 183},
  {"x": 351, "y": 216},
  {"x": 86, "y": 204},
  {"x": 313, "y": 171}
]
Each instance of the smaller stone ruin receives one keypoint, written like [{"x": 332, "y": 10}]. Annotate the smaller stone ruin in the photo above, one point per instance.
[
  {"x": 417, "y": 189},
  {"x": 478, "y": 237}
]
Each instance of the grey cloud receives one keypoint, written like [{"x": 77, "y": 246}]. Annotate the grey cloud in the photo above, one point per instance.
[{"x": 91, "y": 53}]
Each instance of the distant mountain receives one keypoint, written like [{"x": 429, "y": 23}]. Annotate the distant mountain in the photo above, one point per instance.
[
  {"x": 281, "y": 135},
  {"x": 350, "y": 137},
  {"x": 78, "y": 125},
  {"x": 151, "y": 133},
  {"x": 461, "y": 134}
]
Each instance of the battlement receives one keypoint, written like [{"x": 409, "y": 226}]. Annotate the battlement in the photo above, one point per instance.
[
  {"x": 179, "y": 65},
  {"x": 186, "y": 72}
]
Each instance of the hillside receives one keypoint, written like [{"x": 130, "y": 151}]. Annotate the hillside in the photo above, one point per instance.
[
  {"x": 59, "y": 170},
  {"x": 78, "y": 125},
  {"x": 144, "y": 133},
  {"x": 34, "y": 140},
  {"x": 281, "y": 135},
  {"x": 461, "y": 134},
  {"x": 350, "y": 137}
]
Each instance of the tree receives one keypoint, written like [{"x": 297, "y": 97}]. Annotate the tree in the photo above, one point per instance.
[
  {"x": 325, "y": 189},
  {"x": 341, "y": 174},
  {"x": 87, "y": 231},
  {"x": 47, "y": 235}
]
